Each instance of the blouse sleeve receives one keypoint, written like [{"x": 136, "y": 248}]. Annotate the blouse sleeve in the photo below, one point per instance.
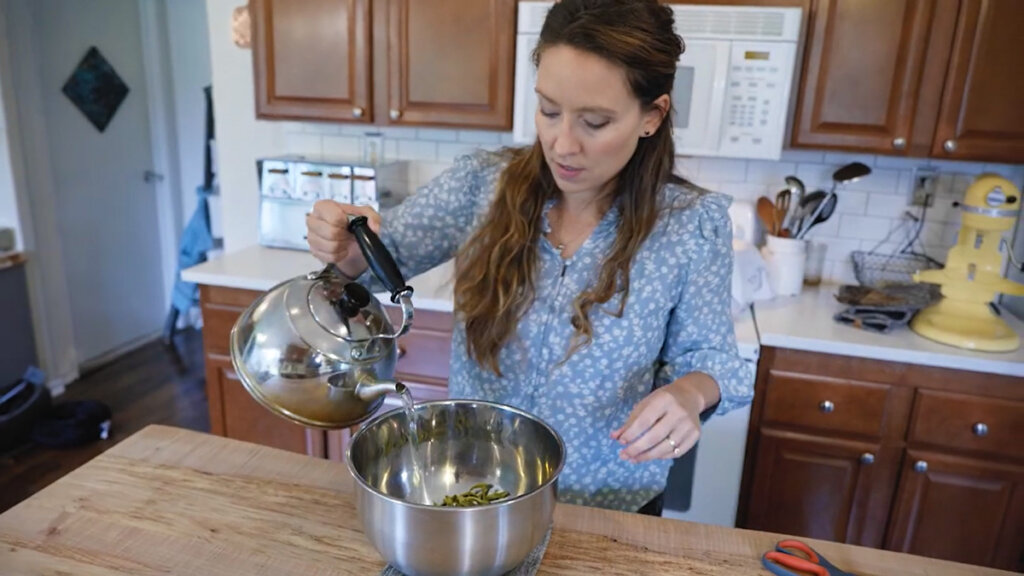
[
  {"x": 700, "y": 335},
  {"x": 428, "y": 227}
]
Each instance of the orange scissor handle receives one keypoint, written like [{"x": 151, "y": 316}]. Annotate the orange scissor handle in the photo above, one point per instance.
[
  {"x": 792, "y": 562},
  {"x": 798, "y": 545}
]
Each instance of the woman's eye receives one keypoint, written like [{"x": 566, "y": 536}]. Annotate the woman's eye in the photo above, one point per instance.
[
  {"x": 547, "y": 114},
  {"x": 595, "y": 125}
]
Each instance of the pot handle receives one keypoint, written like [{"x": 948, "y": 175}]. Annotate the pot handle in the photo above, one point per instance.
[{"x": 379, "y": 259}]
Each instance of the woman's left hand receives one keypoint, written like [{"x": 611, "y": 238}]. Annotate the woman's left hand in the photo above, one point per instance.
[{"x": 665, "y": 424}]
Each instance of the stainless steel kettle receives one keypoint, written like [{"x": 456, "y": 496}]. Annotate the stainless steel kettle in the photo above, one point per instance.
[{"x": 320, "y": 350}]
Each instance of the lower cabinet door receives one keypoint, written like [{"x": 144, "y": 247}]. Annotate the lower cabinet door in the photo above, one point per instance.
[
  {"x": 960, "y": 509},
  {"x": 831, "y": 489},
  {"x": 243, "y": 418}
]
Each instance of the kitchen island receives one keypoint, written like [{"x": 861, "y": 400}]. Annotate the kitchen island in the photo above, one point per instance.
[{"x": 172, "y": 501}]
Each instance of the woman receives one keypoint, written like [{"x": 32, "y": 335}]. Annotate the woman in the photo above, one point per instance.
[{"x": 592, "y": 286}]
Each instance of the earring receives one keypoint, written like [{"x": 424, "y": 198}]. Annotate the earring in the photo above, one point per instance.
[{"x": 647, "y": 133}]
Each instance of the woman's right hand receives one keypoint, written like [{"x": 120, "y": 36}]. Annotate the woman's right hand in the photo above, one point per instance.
[{"x": 329, "y": 239}]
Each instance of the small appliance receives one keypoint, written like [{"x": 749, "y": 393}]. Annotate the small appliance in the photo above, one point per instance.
[
  {"x": 965, "y": 315},
  {"x": 732, "y": 85}
]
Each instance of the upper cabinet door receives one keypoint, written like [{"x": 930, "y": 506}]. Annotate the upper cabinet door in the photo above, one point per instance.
[
  {"x": 312, "y": 59},
  {"x": 982, "y": 116},
  {"x": 451, "y": 62},
  {"x": 862, "y": 74}
]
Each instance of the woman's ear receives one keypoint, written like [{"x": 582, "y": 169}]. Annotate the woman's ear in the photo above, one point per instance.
[{"x": 656, "y": 114}]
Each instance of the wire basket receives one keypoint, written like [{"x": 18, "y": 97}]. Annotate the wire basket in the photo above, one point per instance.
[{"x": 881, "y": 270}]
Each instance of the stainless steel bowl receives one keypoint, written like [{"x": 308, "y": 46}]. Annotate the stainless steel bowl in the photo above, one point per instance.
[{"x": 461, "y": 443}]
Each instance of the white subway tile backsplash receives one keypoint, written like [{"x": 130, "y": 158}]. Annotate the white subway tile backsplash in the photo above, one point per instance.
[
  {"x": 343, "y": 146},
  {"x": 867, "y": 211},
  {"x": 448, "y": 151},
  {"x": 417, "y": 150},
  {"x": 885, "y": 205},
  {"x": 723, "y": 170},
  {"x": 840, "y": 159},
  {"x": 865, "y": 227},
  {"x": 321, "y": 128},
  {"x": 304, "y": 144},
  {"x": 437, "y": 135},
  {"x": 851, "y": 202},
  {"x": 799, "y": 156},
  {"x": 899, "y": 162},
  {"x": 479, "y": 136},
  {"x": 769, "y": 173},
  {"x": 880, "y": 180}
]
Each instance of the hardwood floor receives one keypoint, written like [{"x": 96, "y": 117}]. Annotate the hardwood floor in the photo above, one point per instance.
[{"x": 150, "y": 385}]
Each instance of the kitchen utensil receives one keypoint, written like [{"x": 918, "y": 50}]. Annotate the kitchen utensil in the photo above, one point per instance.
[
  {"x": 808, "y": 205},
  {"x": 766, "y": 212},
  {"x": 796, "y": 186},
  {"x": 820, "y": 214},
  {"x": 462, "y": 443},
  {"x": 794, "y": 558},
  {"x": 849, "y": 173},
  {"x": 782, "y": 202},
  {"x": 319, "y": 350},
  {"x": 972, "y": 277}
]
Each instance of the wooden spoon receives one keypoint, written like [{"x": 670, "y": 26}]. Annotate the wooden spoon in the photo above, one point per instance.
[{"x": 766, "y": 212}]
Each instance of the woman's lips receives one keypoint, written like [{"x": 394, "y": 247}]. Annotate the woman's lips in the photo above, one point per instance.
[{"x": 567, "y": 172}]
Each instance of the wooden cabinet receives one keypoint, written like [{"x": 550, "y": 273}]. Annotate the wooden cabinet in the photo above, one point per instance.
[
  {"x": 981, "y": 115},
  {"x": 961, "y": 509},
  {"x": 311, "y": 59},
  {"x": 423, "y": 363},
  {"x": 422, "y": 62},
  {"x": 451, "y": 62},
  {"x": 883, "y": 454},
  {"x": 912, "y": 77},
  {"x": 824, "y": 488}
]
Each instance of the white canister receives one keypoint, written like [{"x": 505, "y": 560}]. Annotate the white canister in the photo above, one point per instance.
[{"x": 785, "y": 259}]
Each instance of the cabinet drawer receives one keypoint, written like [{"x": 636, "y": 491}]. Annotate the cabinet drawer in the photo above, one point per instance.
[
  {"x": 217, "y": 323},
  {"x": 424, "y": 355},
  {"x": 969, "y": 422},
  {"x": 827, "y": 404}
]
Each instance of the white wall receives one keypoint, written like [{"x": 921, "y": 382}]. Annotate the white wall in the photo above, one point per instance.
[
  {"x": 866, "y": 212},
  {"x": 188, "y": 36},
  {"x": 8, "y": 200}
]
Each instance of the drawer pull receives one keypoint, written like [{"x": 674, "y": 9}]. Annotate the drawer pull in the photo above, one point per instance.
[
  {"x": 867, "y": 458},
  {"x": 921, "y": 466},
  {"x": 826, "y": 406},
  {"x": 980, "y": 429}
]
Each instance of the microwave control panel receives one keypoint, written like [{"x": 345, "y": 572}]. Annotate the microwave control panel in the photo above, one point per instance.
[{"x": 757, "y": 98}]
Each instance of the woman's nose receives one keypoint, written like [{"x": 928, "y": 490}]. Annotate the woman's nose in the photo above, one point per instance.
[{"x": 566, "y": 143}]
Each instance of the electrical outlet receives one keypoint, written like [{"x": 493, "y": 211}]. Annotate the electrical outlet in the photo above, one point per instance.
[{"x": 922, "y": 188}]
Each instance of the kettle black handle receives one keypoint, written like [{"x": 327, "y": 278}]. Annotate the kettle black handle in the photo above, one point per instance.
[{"x": 379, "y": 258}]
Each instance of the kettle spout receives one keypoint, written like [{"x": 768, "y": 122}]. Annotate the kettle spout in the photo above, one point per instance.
[{"x": 369, "y": 391}]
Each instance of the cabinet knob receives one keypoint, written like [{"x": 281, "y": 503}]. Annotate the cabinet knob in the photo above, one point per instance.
[
  {"x": 357, "y": 112},
  {"x": 395, "y": 114},
  {"x": 921, "y": 466},
  {"x": 867, "y": 458},
  {"x": 980, "y": 429},
  {"x": 899, "y": 143},
  {"x": 949, "y": 145},
  {"x": 826, "y": 406}
]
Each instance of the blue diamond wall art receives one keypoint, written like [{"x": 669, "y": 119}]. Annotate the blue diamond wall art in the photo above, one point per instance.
[{"x": 96, "y": 89}]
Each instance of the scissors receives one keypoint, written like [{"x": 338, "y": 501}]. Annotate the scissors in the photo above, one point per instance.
[{"x": 783, "y": 561}]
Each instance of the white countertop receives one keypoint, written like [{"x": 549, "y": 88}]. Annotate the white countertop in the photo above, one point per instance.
[
  {"x": 262, "y": 268},
  {"x": 804, "y": 322}
]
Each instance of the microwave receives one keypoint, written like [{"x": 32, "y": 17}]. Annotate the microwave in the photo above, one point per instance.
[{"x": 732, "y": 86}]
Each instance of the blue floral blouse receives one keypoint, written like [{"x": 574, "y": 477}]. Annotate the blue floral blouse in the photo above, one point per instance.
[{"x": 677, "y": 320}]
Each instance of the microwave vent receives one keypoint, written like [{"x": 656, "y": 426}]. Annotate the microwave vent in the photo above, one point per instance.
[{"x": 735, "y": 23}]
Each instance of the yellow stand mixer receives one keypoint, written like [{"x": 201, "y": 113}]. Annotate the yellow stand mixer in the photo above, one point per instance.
[{"x": 971, "y": 278}]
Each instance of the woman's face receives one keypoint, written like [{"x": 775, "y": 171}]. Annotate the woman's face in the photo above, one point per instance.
[{"x": 588, "y": 120}]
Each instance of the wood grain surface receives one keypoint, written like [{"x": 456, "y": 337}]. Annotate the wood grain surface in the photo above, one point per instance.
[{"x": 174, "y": 501}]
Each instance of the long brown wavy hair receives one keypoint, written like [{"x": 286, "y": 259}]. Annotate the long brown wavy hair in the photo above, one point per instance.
[{"x": 494, "y": 278}]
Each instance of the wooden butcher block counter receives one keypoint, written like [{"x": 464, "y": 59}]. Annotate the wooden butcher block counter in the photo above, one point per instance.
[{"x": 172, "y": 501}]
